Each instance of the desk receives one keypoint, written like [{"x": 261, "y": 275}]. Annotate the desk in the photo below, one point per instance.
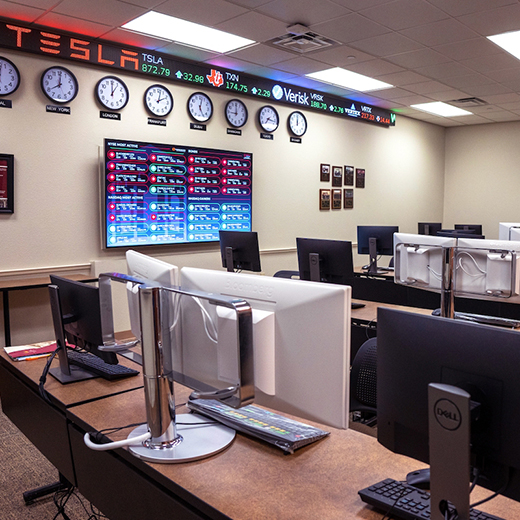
[
  {"x": 250, "y": 480},
  {"x": 6, "y": 286}
]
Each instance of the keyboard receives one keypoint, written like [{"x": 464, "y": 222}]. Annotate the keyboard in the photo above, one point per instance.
[
  {"x": 482, "y": 318},
  {"x": 404, "y": 502},
  {"x": 96, "y": 365},
  {"x": 276, "y": 429}
]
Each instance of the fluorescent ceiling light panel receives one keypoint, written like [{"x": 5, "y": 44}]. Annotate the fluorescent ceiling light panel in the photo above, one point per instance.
[
  {"x": 189, "y": 33},
  {"x": 441, "y": 109},
  {"x": 347, "y": 79},
  {"x": 509, "y": 41}
]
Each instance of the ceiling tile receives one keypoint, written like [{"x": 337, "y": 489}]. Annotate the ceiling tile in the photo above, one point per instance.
[
  {"x": 386, "y": 44},
  {"x": 349, "y": 28},
  {"x": 228, "y": 62},
  {"x": 300, "y": 65},
  {"x": 250, "y": 4},
  {"x": 419, "y": 58},
  {"x": 494, "y": 21},
  {"x": 306, "y": 12},
  {"x": 411, "y": 100},
  {"x": 262, "y": 54},
  {"x": 482, "y": 91},
  {"x": 76, "y": 25},
  {"x": 461, "y": 7},
  {"x": 427, "y": 87},
  {"x": 187, "y": 52},
  {"x": 401, "y": 14},
  {"x": 135, "y": 39},
  {"x": 374, "y": 67},
  {"x": 489, "y": 64},
  {"x": 149, "y": 4},
  {"x": 205, "y": 12},
  {"x": 358, "y": 5},
  {"x": 342, "y": 56},
  {"x": 20, "y": 12},
  {"x": 438, "y": 33},
  {"x": 444, "y": 70},
  {"x": 403, "y": 78},
  {"x": 471, "y": 80},
  {"x": 447, "y": 95},
  {"x": 466, "y": 49},
  {"x": 512, "y": 97},
  {"x": 255, "y": 26},
  {"x": 99, "y": 11},
  {"x": 392, "y": 93}
]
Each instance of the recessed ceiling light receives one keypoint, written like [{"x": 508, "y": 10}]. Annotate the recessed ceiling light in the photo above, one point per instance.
[
  {"x": 441, "y": 109},
  {"x": 189, "y": 33},
  {"x": 347, "y": 79},
  {"x": 509, "y": 41}
]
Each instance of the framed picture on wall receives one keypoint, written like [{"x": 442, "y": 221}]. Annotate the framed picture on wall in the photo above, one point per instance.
[
  {"x": 6, "y": 183},
  {"x": 348, "y": 198},
  {"x": 349, "y": 175},
  {"x": 360, "y": 177},
  {"x": 336, "y": 199},
  {"x": 337, "y": 176},
  {"x": 325, "y": 173},
  {"x": 325, "y": 199}
]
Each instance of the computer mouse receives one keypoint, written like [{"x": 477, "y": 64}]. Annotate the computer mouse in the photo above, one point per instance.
[{"x": 419, "y": 479}]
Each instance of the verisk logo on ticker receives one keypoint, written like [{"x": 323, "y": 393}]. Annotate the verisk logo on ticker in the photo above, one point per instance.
[{"x": 302, "y": 98}]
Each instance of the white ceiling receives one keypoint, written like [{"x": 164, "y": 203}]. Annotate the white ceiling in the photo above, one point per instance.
[{"x": 431, "y": 50}]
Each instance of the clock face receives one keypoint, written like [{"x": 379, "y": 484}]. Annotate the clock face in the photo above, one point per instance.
[
  {"x": 268, "y": 118},
  {"x": 200, "y": 107},
  {"x": 158, "y": 100},
  {"x": 297, "y": 123},
  {"x": 112, "y": 93},
  {"x": 9, "y": 77},
  {"x": 59, "y": 84},
  {"x": 236, "y": 113}
]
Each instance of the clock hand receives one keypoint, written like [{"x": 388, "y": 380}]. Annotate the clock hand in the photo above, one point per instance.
[{"x": 114, "y": 89}]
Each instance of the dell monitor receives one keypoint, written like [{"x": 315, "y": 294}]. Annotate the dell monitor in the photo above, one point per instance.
[
  {"x": 327, "y": 261},
  {"x": 469, "y": 228},
  {"x": 416, "y": 350},
  {"x": 428, "y": 228},
  {"x": 239, "y": 250},
  {"x": 375, "y": 241},
  {"x": 459, "y": 233}
]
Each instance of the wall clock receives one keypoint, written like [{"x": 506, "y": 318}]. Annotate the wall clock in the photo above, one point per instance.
[
  {"x": 297, "y": 123},
  {"x": 59, "y": 84},
  {"x": 158, "y": 100},
  {"x": 200, "y": 107},
  {"x": 236, "y": 113},
  {"x": 268, "y": 118},
  {"x": 112, "y": 92},
  {"x": 9, "y": 77}
]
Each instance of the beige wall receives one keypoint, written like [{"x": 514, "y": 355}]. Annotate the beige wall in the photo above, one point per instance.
[
  {"x": 57, "y": 196},
  {"x": 482, "y": 179}
]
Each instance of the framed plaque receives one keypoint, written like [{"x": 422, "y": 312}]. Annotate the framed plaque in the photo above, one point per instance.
[
  {"x": 336, "y": 176},
  {"x": 325, "y": 173},
  {"x": 348, "y": 198},
  {"x": 6, "y": 183},
  {"x": 336, "y": 199},
  {"x": 360, "y": 177},
  {"x": 349, "y": 175},
  {"x": 324, "y": 199}
]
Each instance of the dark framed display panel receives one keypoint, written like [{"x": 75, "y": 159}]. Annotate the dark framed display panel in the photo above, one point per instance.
[{"x": 6, "y": 183}]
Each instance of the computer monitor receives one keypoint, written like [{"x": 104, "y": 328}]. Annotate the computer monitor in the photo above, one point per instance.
[
  {"x": 239, "y": 250},
  {"x": 487, "y": 269},
  {"x": 301, "y": 338},
  {"x": 374, "y": 241},
  {"x": 148, "y": 268},
  {"x": 327, "y": 261},
  {"x": 509, "y": 230},
  {"x": 416, "y": 350},
  {"x": 469, "y": 228},
  {"x": 458, "y": 233},
  {"x": 419, "y": 260},
  {"x": 428, "y": 228}
]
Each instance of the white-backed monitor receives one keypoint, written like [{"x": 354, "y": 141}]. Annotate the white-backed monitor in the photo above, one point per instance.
[
  {"x": 415, "y": 350},
  {"x": 328, "y": 261},
  {"x": 376, "y": 241},
  {"x": 239, "y": 250},
  {"x": 163, "y": 194},
  {"x": 428, "y": 228},
  {"x": 509, "y": 230}
]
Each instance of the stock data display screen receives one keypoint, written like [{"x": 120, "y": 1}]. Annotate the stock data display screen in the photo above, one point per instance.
[{"x": 169, "y": 194}]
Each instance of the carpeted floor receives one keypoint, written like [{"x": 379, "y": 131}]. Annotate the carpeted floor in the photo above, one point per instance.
[{"x": 22, "y": 468}]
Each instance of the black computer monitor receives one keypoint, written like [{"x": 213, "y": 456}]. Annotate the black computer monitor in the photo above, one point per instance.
[
  {"x": 322, "y": 260},
  {"x": 239, "y": 250},
  {"x": 470, "y": 228},
  {"x": 81, "y": 316},
  {"x": 429, "y": 228},
  {"x": 375, "y": 241},
  {"x": 458, "y": 233},
  {"x": 415, "y": 350}
]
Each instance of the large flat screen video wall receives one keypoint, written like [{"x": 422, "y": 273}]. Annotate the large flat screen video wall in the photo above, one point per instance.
[{"x": 170, "y": 194}]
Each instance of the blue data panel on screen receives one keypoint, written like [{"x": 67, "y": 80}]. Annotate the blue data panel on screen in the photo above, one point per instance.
[{"x": 168, "y": 194}]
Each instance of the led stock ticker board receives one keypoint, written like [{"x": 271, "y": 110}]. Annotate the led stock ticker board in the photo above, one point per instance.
[
  {"x": 166, "y": 194},
  {"x": 84, "y": 50}
]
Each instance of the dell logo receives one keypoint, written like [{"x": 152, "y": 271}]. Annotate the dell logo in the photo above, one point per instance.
[{"x": 447, "y": 414}]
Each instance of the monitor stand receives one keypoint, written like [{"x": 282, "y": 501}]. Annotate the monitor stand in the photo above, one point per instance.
[
  {"x": 449, "y": 436},
  {"x": 372, "y": 251},
  {"x": 314, "y": 267},
  {"x": 229, "y": 260}
]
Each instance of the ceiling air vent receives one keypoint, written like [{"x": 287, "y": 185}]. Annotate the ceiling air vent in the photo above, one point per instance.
[
  {"x": 301, "y": 40},
  {"x": 469, "y": 102}
]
